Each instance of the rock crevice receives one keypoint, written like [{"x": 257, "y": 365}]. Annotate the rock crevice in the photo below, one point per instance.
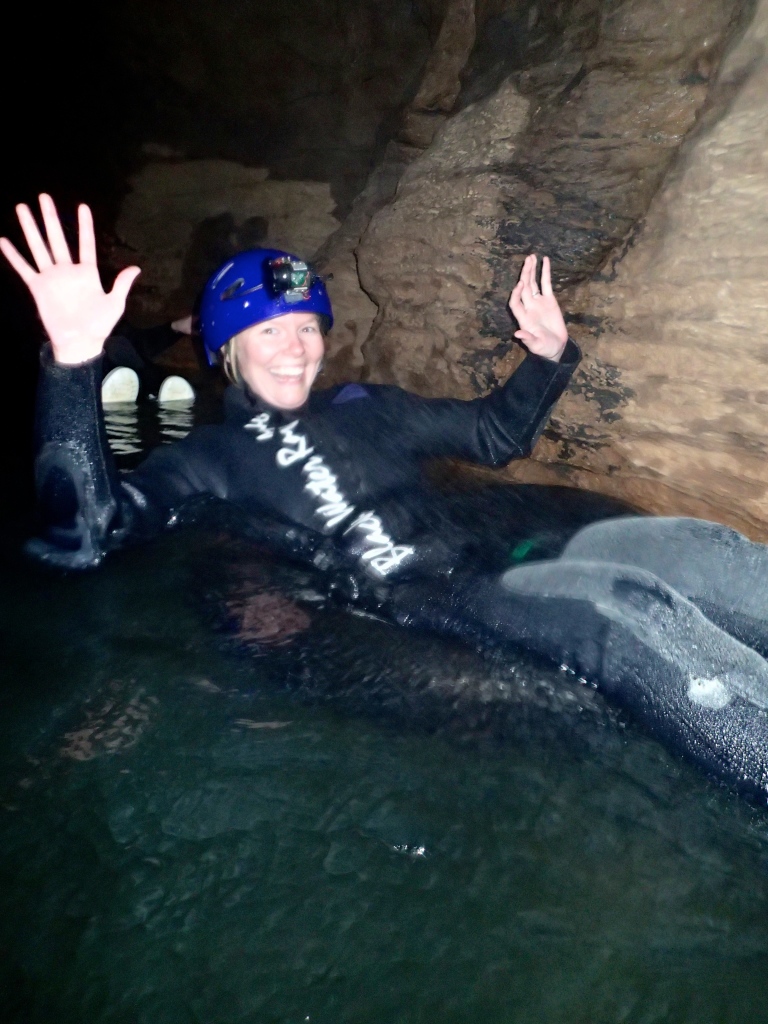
[{"x": 626, "y": 140}]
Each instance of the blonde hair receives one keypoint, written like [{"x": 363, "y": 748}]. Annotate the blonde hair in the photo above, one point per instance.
[
  {"x": 229, "y": 364},
  {"x": 228, "y": 353}
]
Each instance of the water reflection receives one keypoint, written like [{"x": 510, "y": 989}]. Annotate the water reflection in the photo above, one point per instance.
[
  {"x": 122, "y": 422},
  {"x": 134, "y": 429},
  {"x": 361, "y": 823},
  {"x": 176, "y": 420},
  {"x": 252, "y": 842}
]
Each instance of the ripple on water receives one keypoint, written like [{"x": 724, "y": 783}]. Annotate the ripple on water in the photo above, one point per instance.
[{"x": 425, "y": 837}]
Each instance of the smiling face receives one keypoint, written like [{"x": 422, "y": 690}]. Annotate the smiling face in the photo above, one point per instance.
[{"x": 279, "y": 359}]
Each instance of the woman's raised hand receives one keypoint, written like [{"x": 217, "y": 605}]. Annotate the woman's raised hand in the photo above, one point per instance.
[
  {"x": 77, "y": 313},
  {"x": 542, "y": 328}
]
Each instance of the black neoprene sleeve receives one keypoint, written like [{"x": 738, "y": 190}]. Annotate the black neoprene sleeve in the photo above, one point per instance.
[
  {"x": 498, "y": 427},
  {"x": 75, "y": 474}
]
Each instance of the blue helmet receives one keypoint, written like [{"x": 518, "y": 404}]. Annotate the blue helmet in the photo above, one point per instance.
[{"x": 254, "y": 286}]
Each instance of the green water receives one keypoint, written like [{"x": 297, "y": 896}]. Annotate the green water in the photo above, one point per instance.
[{"x": 357, "y": 826}]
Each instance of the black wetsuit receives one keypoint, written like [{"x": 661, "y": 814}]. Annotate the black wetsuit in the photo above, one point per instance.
[{"x": 339, "y": 484}]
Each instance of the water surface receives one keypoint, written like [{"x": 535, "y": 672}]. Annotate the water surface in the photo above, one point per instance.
[{"x": 340, "y": 821}]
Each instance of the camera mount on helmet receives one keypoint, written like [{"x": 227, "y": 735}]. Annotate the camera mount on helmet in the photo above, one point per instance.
[
  {"x": 290, "y": 278},
  {"x": 258, "y": 285}
]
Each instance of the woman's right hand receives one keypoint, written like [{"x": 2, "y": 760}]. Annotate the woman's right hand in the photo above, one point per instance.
[{"x": 76, "y": 312}]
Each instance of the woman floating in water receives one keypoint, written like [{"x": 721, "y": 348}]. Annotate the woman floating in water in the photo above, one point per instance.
[{"x": 666, "y": 615}]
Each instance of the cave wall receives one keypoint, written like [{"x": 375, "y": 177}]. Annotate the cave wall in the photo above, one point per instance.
[
  {"x": 306, "y": 89},
  {"x": 637, "y": 159},
  {"x": 679, "y": 322},
  {"x": 427, "y": 147},
  {"x": 182, "y": 219},
  {"x": 251, "y": 113},
  {"x": 561, "y": 158}
]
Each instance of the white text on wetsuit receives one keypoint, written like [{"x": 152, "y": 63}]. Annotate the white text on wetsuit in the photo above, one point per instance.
[
  {"x": 261, "y": 424},
  {"x": 321, "y": 483},
  {"x": 381, "y": 553},
  {"x": 384, "y": 555}
]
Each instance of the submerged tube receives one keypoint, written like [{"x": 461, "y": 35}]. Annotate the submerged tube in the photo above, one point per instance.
[
  {"x": 650, "y": 651},
  {"x": 653, "y": 653},
  {"x": 719, "y": 570}
]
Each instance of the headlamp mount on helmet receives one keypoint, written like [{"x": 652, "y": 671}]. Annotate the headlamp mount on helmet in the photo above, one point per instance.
[{"x": 289, "y": 277}]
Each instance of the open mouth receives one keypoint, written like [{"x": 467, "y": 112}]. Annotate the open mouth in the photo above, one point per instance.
[{"x": 288, "y": 376}]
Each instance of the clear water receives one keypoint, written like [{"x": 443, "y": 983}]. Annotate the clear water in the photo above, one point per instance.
[{"x": 341, "y": 822}]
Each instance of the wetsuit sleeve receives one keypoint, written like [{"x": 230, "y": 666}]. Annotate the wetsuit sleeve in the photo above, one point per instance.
[
  {"x": 85, "y": 508},
  {"x": 498, "y": 427}
]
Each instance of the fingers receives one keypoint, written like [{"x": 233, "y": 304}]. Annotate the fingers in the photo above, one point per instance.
[
  {"x": 34, "y": 239},
  {"x": 123, "y": 283},
  {"x": 524, "y": 281},
  {"x": 546, "y": 277},
  {"x": 515, "y": 300},
  {"x": 17, "y": 261},
  {"x": 54, "y": 249},
  {"x": 528, "y": 279},
  {"x": 56, "y": 239},
  {"x": 528, "y": 276},
  {"x": 533, "y": 308},
  {"x": 87, "y": 236},
  {"x": 527, "y": 289}
]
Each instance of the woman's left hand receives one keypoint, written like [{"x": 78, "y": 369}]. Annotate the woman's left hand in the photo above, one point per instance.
[{"x": 542, "y": 328}]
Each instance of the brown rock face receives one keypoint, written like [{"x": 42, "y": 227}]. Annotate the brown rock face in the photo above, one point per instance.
[
  {"x": 561, "y": 159},
  {"x": 353, "y": 309},
  {"x": 183, "y": 218},
  {"x": 440, "y": 83},
  {"x": 611, "y": 135},
  {"x": 306, "y": 88},
  {"x": 668, "y": 409},
  {"x": 677, "y": 329},
  {"x": 425, "y": 258}
]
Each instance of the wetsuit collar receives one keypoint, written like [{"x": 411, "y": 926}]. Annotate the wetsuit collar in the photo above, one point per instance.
[{"x": 241, "y": 404}]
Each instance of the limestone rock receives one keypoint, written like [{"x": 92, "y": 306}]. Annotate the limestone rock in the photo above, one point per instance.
[
  {"x": 422, "y": 255},
  {"x": 337, "y": 261},
  {"x": 419, "y": 127},
  {"x": 678, "y": 327},
  {"x": 183, "y": 218},
  {"x": 440, "y": 84},
  {"x": 590, "y": 130},
  {"x": 566, "y": 169},
  {"x": 565, "y": 158},
  {"x": 312, "y": 89}
]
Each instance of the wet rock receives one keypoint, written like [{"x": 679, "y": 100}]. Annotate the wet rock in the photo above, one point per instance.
[
  {"x": 562, "y": 158},
  {"x": 676, "y": 328},
  {"x": 218, "y": 807},
  {"x": 337, "y": 261},
  {"x": 312, "y": 89},
  {"x": 440, "y": 83},
  {"x": 518, "y": 127},
  {"x": 422, "y": 256},
  {"x": 181, "y": 219},
  {"x": 420, "y": 127},
  {"x": 111, "y": 724}
]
